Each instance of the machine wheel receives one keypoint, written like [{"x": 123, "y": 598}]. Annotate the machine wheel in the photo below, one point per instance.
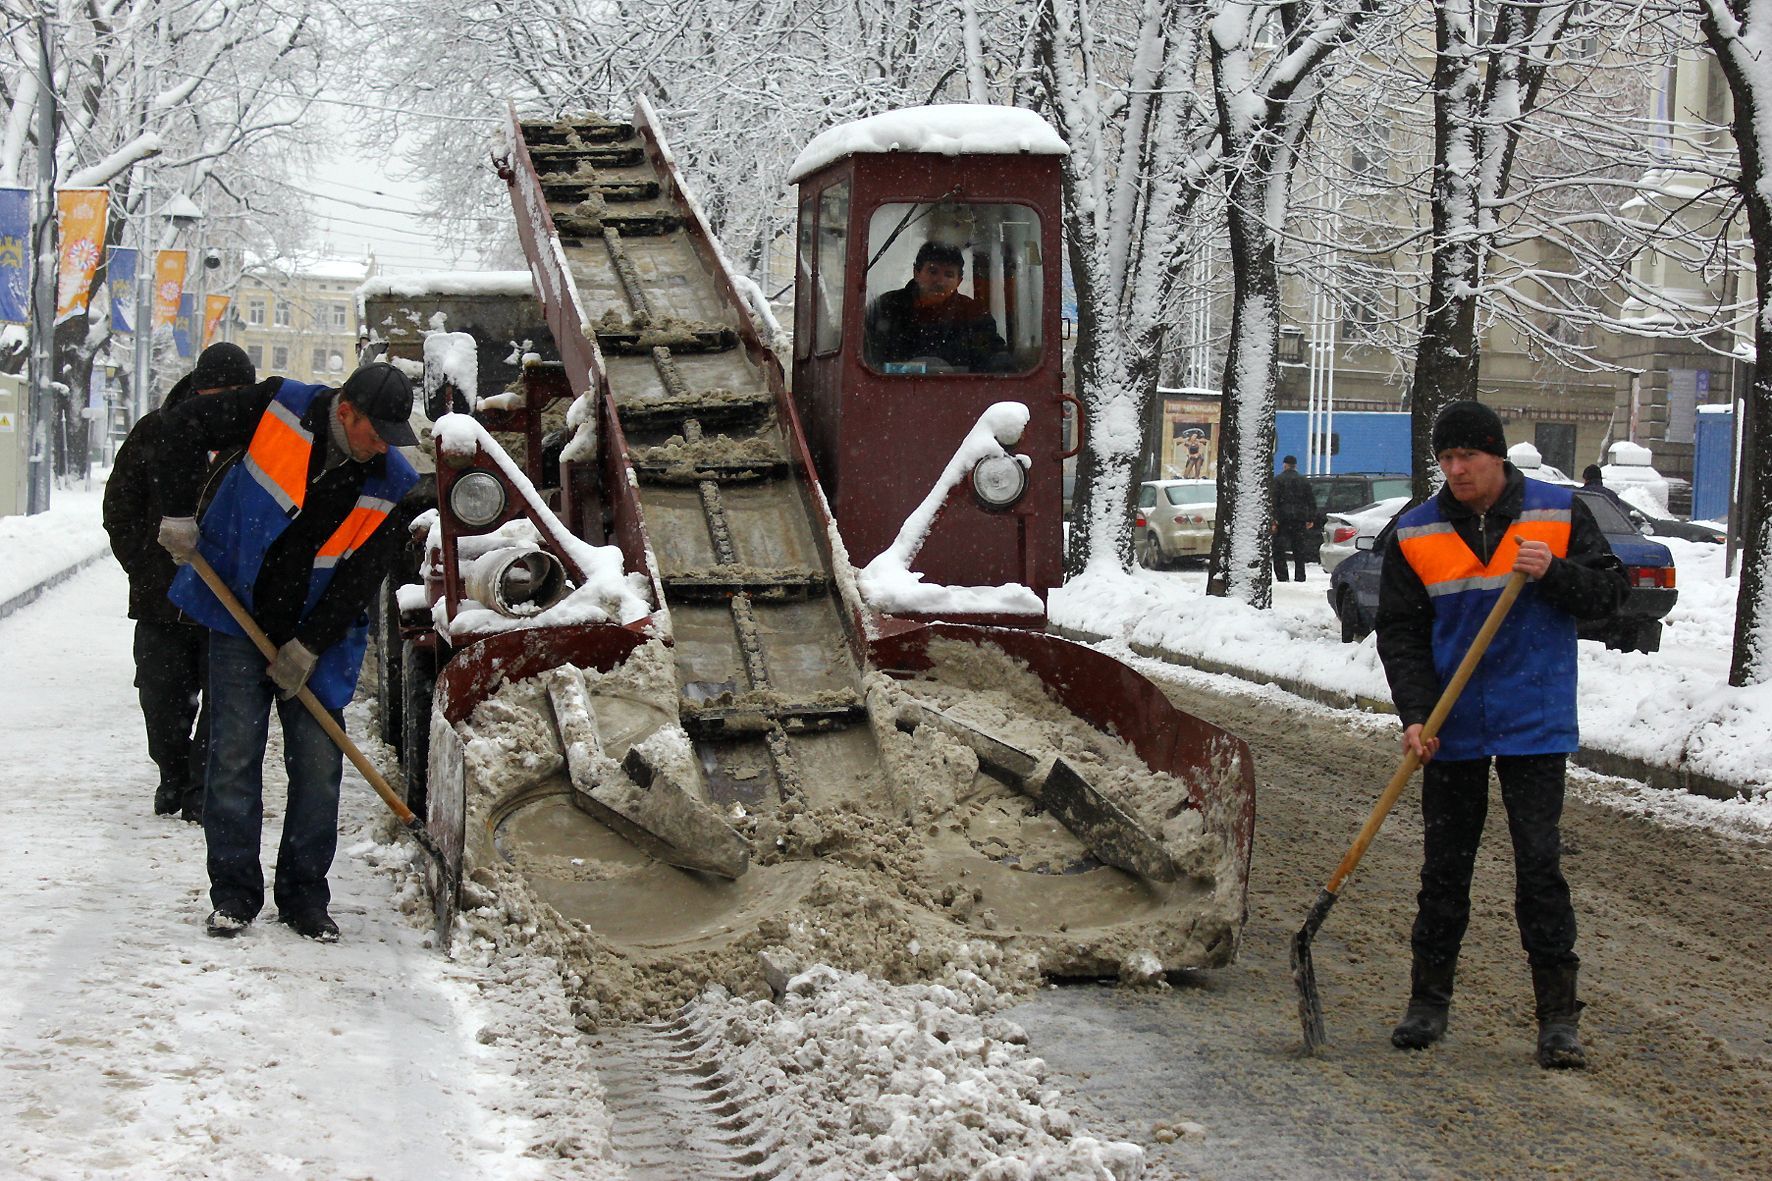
[
  {"x": 418, "y": 677},
  {"x": 1348, "y": 612},
  {"x": 1150, "y": 553},
  {"x": 387, "y": 664}
]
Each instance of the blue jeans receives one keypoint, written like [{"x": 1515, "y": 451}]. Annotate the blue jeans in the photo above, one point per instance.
[{"x": 241, "y": 696}]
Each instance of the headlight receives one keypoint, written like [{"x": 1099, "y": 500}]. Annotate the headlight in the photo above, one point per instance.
[
  {"x": 477, "y": 499},
  {"x": 998, "y": 481}
]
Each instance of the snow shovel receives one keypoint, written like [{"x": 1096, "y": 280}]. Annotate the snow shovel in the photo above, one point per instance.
[
  {"x": 1304, "y": 975},
  {"x": 413, "y": 824}
]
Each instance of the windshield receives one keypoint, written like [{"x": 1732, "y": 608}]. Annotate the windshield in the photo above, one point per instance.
[
  {"x": 1193, "y": 494},
  {"x": 1387, "y": 488},
  {"x": 1606, "y": 514},
  {"x": 953, "y": 287}
]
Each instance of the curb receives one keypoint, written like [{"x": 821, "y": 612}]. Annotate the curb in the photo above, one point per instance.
[
  {"x": 26, "y": 597},
  {"x": 1603, "y": 762}
]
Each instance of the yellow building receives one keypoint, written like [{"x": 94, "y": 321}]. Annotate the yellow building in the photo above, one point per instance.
[{"x": 298, "y": 319}]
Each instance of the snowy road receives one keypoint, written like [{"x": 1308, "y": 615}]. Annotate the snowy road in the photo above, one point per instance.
[{"x": 135, "y": 1046}]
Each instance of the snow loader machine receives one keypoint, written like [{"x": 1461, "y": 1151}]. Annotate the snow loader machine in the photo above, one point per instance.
[{"x": 738, "y": 649}]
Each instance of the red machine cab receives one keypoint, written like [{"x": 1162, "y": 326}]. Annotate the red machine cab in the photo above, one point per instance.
[{"x": 927, "y": 294}]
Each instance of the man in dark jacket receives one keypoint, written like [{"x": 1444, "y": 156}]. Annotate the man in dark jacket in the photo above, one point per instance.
[
  {"x": 170, "y": 649},
  {"x": 1295, "y": 510},
  {"x": 929, "y": 318},
  {"x": 302, "y": 531},
  {"x": 1444, "y": 566}
]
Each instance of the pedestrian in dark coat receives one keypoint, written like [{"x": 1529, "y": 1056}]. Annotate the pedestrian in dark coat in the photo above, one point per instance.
[
  {"x": 1295, "y": 511},
  {"x": 1444, "y": 566},
  {"x": 302, "y": 532},
  {"x": 171, "y": 649}
]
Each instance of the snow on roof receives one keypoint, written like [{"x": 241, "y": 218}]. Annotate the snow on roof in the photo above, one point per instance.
[
  {"x": 949, "y": 129},
  {"x": 449, "y": 283}
]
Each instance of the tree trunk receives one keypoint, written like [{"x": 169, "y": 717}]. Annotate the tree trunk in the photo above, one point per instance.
[{"x": 1242, "y": 539}]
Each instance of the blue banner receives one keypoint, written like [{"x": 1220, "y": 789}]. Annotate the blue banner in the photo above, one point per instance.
[
  {"x": 184, "y": 325},
  {"x": 120, "y": 280},
  {"x": 15, "y": 252}
]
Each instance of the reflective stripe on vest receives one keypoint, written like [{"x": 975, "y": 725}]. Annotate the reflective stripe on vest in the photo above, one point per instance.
[
  {"x": 363, "y": 519},
  {"x": 1446, "y": 565},
  {"x": 278, "y": 455}
]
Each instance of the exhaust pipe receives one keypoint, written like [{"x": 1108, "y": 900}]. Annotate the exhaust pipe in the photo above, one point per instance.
[{"x": 517, "y": 581}]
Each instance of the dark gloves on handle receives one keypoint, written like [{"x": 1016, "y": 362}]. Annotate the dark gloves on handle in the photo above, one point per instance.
[
  {"x": 292, "y": 667},
  {"x": 178, "y": 536}
]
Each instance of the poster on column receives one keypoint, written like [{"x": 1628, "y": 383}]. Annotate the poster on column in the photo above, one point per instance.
[
  {"x": 215, "y": 307},
  {"x": 80, "y": 216},
  {"x": 15, "y": 273},
  {"x": 120, "y": 277},
  {"x": 184, "y": 324},
  {"x": 1188, "y": 444},
  {"x": 169, "y": 284}
]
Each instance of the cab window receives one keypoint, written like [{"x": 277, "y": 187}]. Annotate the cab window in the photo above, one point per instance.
[
  {"x": 833, "y": 238},
  {"x": 953, "y": 287}
]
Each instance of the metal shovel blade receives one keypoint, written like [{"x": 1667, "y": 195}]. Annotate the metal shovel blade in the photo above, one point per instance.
[{"x": 1304, "y": 975}]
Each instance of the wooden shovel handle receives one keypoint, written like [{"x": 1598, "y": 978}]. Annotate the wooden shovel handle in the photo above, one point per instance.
[
  {"x": 333, "y": 730},
  {"x": 1411, "y": 760}
]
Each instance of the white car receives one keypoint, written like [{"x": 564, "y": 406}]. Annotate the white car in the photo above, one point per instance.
[{"x": 1341, "y": 530}]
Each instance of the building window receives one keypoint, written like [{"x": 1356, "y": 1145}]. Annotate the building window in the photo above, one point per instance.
[
  {"x": 319, "y": 361},
  {"x": 255, "y": 312},
  {"x": 1361, "y": 310},
  {"x": 256, "y": 354},
  {"x": 339, "y": 313},
  {"x": 282, "y": 313},
  {"x": 280, "y": 357}
]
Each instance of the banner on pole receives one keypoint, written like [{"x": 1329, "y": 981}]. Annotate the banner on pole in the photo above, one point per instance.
[
  {"x": 120, "y": 278},
  {"x": 184, "y": 324},
  {"x": 15, "y": 270},
  {"x": 215, "y": 307},
  {"x": 169, "y": 284},
  {"x": 80, "y": 217}
]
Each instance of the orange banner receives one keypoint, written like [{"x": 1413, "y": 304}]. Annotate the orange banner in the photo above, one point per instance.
[
  {"x": 169, "y": 284},
  {"x": 214, "y": 308},
  {"x": 80, "y": 216}
]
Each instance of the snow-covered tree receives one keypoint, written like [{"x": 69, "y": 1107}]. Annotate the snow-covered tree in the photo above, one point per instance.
[
  {"x": 1120, "y": 86},
  {"x": 1268, "y": 69},
  {"x": 1739, "y": 32},
  {"x": 202, "y": 90}
]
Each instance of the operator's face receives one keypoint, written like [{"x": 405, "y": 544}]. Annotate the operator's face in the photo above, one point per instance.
[
  {"x": 937, "y": 280},
  {"x": 1475, "y": 477},
  {"x": 360, "y": 434}
]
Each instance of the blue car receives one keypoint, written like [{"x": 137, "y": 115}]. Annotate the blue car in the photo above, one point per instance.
[{"x": 1636, "y": 627}]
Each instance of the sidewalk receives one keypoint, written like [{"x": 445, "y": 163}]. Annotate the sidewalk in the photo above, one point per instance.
[
  {"x": 1668, "y": 718},
  {"x": 41, "y": 551}
]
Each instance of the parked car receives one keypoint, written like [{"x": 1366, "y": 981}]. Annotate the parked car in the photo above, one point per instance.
[
  {"x": 1674, "y": 527},
  {"x": 1636, "y": 627},
  {"x": 1341, "y": 530},
  {"x": 1175, "y": 520},
  {"x": 1345, "y": 491}
]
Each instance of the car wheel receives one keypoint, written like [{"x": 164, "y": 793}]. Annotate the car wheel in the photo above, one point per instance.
[
  {"x": 418, "y": 679},
  {"x": 1348, "y": 612},
  {"x": 1150, "y": 554}
]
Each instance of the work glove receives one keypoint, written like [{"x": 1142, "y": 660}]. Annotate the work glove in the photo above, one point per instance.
[
  {"x": 178, "y": 536},
  {"x": 290, "y": 671}
]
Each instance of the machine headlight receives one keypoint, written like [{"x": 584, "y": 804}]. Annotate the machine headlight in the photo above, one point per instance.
[
  {"x": 477, "y": 499},
  {"x": 998, "y": 481}
]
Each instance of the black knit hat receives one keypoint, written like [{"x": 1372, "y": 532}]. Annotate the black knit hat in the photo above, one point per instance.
[
  {"x": 381, "y": 393},
  {"x": 222, "y": 366},
  {"x": 1469, "y": 425},
  {"x": 933, "y": 251}
]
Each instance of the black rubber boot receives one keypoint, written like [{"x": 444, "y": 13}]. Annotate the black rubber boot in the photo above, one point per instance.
[
  {"x": 1559, "y": 1015},
  {"x": 1430, "y": 999}
]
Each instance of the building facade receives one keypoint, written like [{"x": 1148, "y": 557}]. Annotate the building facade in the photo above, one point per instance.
[{"x": 298, "y": 319}]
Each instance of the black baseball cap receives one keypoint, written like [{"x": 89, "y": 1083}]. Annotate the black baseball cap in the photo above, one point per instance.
[{"x": 381, "y": 393}]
